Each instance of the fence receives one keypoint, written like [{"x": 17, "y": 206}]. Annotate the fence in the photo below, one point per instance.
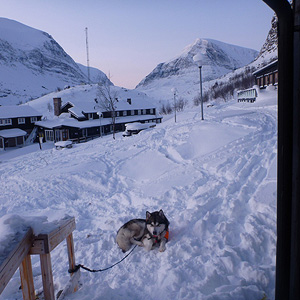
[
  {"x": 247, "y": 95},
  {"x": 42, "y": 244}
]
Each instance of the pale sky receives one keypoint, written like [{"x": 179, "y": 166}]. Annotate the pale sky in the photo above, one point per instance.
[{"x": 129, "y": 38}]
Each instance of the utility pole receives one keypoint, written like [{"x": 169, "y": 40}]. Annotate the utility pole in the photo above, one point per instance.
[
  {"x": 174, "y": 90},
  {"x": 201, "y": 97},
  {"x": 87, "y": 54}
]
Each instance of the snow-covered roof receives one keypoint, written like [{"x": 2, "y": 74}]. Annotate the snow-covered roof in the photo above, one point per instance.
[
  {"x": 17, "y": 111},
  {"x": 138, "y": 100},
  {"x": 265, "y": 67},
  {"x": 71, "y": 122},
  {"x": 13, "y": 132},
  {"x": 76, "y": 111}
]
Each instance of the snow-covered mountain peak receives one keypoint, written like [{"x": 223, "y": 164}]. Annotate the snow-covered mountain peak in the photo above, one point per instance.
[
  {"x": 33, "y": 64},
  {"x": 198, "y": 46},
  {"x": 218, "y": 59}
]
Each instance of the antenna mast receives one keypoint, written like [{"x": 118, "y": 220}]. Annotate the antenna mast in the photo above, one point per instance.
[{"x": 87, "y": 54}]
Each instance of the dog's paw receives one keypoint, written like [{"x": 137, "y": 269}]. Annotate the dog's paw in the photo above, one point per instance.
[{"x": 162, "y": 248}]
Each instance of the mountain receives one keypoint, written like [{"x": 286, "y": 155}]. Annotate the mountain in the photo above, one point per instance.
[
  {"x": 32, "y": 63},
  {"x": 268, "y": 51},
  {"x": 96, "y": 75},
  {"x": 218, "y": 58}
]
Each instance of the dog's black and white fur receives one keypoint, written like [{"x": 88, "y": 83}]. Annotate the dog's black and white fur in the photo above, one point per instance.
[{"x": 144, "y": 232}]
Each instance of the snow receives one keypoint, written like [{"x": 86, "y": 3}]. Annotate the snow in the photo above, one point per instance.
[
  {"x": 13, "y": 132},
  {"x": 21, "y": 36},
  {"x": 217, "y": 59},
  {"x": 89, "y": 93},
  {"x": 32, "y": 64},
  {"x": 15, "y": 111},
  {"x": 139, "y": 126},
  {"x": 63, "y": 144},
  {"x": 214, "y": 179}
]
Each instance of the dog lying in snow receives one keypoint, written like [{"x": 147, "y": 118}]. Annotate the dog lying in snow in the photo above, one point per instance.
[{"x": 147, "y": 232}]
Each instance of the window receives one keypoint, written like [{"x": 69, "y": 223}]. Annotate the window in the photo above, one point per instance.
[
  {"x": 132, "y": 112},
  {"x": 90, "y": 116},
  {"x": 49, "y": 136},
  {"x": 151, "y": 111},
  {"x": 4, "y": 122},
  {"x": 33, "y": 119},
  {"x": 125, "y": 113},
  {"x": 21, "y": 120}
]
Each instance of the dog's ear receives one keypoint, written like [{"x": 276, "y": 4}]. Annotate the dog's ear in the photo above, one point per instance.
[
  {"x": 161, "y": 213},
  {"x": 148, "y": 215}
]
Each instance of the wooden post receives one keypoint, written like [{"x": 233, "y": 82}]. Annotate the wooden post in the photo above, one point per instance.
[
  {"x": 46, "y": 268},
  {"x": 71, "y": 256},
  {"x": 27, "y": 279},
  {"x": 71, "y": 253}
]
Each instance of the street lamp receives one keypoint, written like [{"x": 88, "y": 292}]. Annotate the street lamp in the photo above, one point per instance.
[
  {"x": 174, "y": 93},
  {"x": 99, "y": 113},
  {"x": 197, "y": 59}
]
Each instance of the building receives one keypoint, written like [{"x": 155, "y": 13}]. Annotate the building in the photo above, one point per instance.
[
  {"x": 16, "y": 124},
  {"x": 81, "y": 120},
  {"x": 268, "y": 75}
]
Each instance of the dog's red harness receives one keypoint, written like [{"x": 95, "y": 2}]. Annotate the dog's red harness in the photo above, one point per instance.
[{"x": 166, "y": 237}]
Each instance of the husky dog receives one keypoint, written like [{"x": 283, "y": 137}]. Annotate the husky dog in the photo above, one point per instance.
[{"x": 146, "y": 233}]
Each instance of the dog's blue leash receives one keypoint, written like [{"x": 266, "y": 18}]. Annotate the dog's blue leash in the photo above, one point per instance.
[{"x": 77, "y": 267}]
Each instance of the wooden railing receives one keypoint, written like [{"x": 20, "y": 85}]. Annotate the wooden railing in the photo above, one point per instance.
[{"x": 42, "y": 244}]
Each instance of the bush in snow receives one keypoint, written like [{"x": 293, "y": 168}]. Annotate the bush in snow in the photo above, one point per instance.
[
  {"x": 225, "y": 89},
  {"x": 165, "y": 109}
]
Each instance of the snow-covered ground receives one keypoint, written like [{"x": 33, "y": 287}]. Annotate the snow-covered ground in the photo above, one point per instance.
[{"x": 215, "y": 180}]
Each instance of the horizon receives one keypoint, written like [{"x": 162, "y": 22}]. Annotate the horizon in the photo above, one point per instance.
[{"x": 128, "y": 40}]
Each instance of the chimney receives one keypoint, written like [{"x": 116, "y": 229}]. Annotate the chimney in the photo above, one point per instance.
[
  {"x": 57, "y": 106},
  {"x": 129, "y": 101}
]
